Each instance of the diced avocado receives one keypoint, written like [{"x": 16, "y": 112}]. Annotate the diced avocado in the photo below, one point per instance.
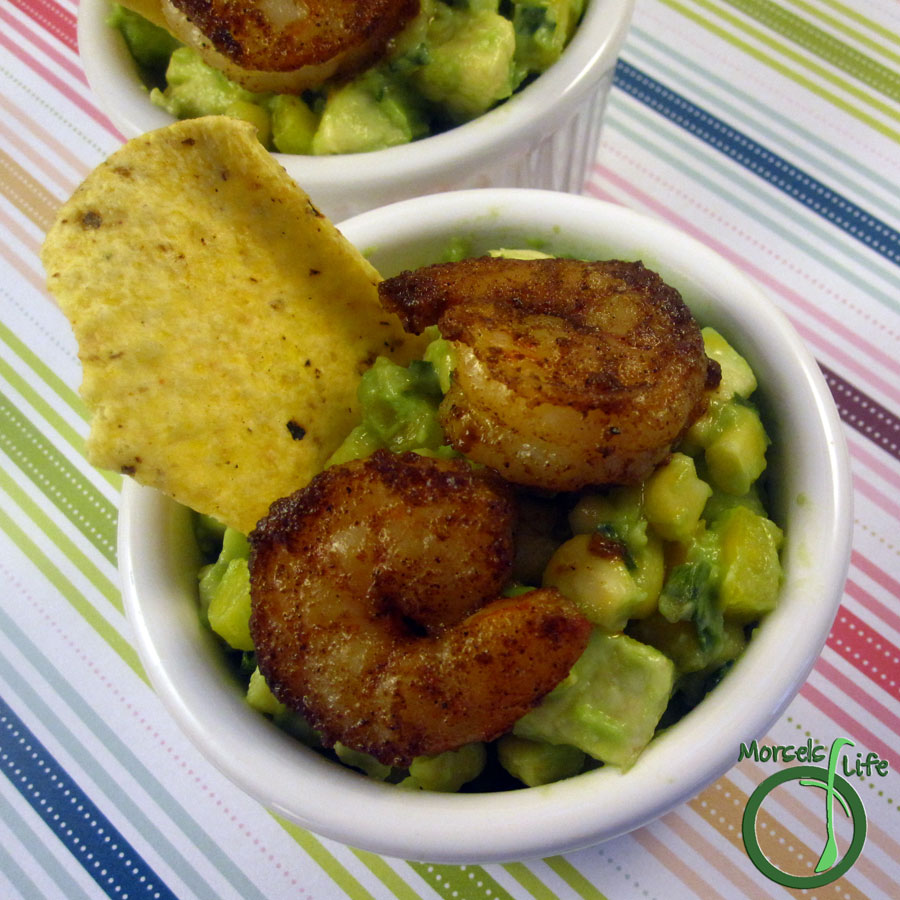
[
  {"x": 209, "y": 533},
  {"x": 674, "y": 498},
  {"x": 255, "y": 114},
  {"x": 721, "y": 503},
  {"x": 261, "y": 698},
  {"x": 591, "y": 570},
  {"x": 619, "y": 513},
  {"x": 542, "y": 28},
  {"x": 440, "y": 354},
  {"x": 365, "y": 762},
  {"x": 399, "y": 407},
  {"x": 751, "y": 569},
  {"x": 233, "y": 546},
  {"x": 736, "y": 456},
  {"x": 196, "y": 89},
  {"x": 450, "y": 770},
  {"x": 680, "y": 642},
  {"x": 371, "y": 112},
  {"x": 399, "y": 404},
  {"x": 470, "y": 63},
  {"x": 537, "y": 762},
  {"x": 360, "y": 443},
  {"x": 690, "y": 595},
  {"x": 737, "y": 376},
  {"x": 609, "y": 704},
  {"x": 293, "y": 124},
  {"x": 149, "y": 44},
  {"x": 229, "y": 606}
]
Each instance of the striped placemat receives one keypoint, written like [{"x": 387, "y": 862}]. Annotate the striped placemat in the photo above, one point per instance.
[{"x": 770, "y": 131}]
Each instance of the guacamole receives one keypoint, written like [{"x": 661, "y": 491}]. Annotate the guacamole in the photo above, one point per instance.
[
  {"x": 674, "y": 574},
  {"x": 456, "y": 60}
]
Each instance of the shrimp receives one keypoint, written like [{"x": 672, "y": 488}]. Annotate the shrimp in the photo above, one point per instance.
[
  {"x": 376, "y": 608},
  {"x": 288, "y": 45},
  {"x": 567, "y": 373}
]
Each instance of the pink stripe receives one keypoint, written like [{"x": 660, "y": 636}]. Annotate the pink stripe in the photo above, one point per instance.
[
  {"x": 867, "y": 651},
  {"x": 48, "y": 139},
  {"x": 675, "y": 864},
  {"x": 878, "y": 497},
  {"x": 889, "y": 388},
  {"x": 709, "y": 854},
  {"x": 17, "y": 261},
  {"x": 864, "y": 598},
  {"x": 848, "y": 724},
  {"x": 61, "y": 24},
  {"x": 889, "y": 473},
  {"x": 63, "y": 88},
  {"x": 37, "y": 41},
  {"x": 877, "y": 575}
]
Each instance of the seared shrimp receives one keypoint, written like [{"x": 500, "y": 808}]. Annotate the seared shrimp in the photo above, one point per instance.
[
  {"x": 376, "y": 610},
  {"x": 287, "y": 45},
  {"x": 568, "y": 373}
]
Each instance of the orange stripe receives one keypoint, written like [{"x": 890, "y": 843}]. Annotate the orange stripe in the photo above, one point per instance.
[
  {"x": 725, "y": 864},
  {"x": 676, "y": 865},
  {"x": 874, "y": 834},
  {"x": 13, "y": 135},
  {"x": 722, "y": 806},
  {"x": 27, "y": 194}
]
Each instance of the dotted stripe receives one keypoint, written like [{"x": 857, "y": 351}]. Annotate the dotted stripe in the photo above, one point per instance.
[
  {"x": 73, "y": 817},
  {"x": 809, "y": 191},
  {"x": 54, "y": 19},
  {"x": 61, "y": 482},
  {"x": 867, "y": 651},
  {"x": 864, "y": 414}
]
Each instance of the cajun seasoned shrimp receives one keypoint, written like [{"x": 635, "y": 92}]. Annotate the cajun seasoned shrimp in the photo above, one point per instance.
[
  {"x": 567, "y": 373},
  {"x": 376, "y": 610},
  {"x": 287, "y": 45}
]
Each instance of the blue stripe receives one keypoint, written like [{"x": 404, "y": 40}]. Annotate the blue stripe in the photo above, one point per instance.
[
  {"x": 72, "y": 816},
  {"x": 809, "y": 191}
]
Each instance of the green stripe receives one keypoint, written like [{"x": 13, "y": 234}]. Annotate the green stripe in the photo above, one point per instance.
[
  {"x": 661, "y": 54},
  {"x": 60, "y": 388},
  {"x": 47, "y": 568},
  {"x": 457, "y": 882},
  {"x": 386, "y": 875},
  {"x": 527, "y": 878},
  {"x": 824, "y": 45},
  {"x": 844, "y": 105},
  {"x": 58, "y": 479},
  {"x": 574, "y": 879},
  {"x": 848, "y": 11},
  {"x": 325, "y": 860},
  {"x": 792, "y": 234},
  {"x": 857, "y": 36}
]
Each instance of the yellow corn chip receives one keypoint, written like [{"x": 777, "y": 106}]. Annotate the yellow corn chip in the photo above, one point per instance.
[{"x": 223, "y": 323}]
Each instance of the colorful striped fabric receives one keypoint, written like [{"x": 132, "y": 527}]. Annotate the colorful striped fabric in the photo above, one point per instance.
[{"x": 770, "y": 131}]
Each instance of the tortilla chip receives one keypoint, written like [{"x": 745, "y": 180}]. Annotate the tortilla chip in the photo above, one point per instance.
[{"x": 223, "y": 323}]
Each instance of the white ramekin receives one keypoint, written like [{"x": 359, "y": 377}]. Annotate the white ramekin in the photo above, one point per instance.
[
  {"x": 810, "y": 497},
  {"x": 545, "y": 136}
]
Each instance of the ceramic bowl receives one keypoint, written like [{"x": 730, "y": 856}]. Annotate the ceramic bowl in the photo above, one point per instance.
[
  {"x": 546, "y": 136},
  {"x": 810, "y": 489}
]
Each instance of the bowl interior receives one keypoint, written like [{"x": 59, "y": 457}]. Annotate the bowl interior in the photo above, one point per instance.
[
  {"x": 810, "y": 498},
  {"x": 435, "y": 163}
]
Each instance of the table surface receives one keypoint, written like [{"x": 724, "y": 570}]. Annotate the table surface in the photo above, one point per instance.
[{"x": 770, "y": 131}]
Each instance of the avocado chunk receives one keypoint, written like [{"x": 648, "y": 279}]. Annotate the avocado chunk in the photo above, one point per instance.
[
  {"x": 675, "y": 497},
  {"x": 537, "y": 762},
  {"x": 448, "y": 771},
  {"x": 196, "y": 89},
  {"x": 372, "y": 112},
  {"x": 751, "y": 569},
  {"x": 470, "y": 63},
  {"x": 609, "y": 704}
]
